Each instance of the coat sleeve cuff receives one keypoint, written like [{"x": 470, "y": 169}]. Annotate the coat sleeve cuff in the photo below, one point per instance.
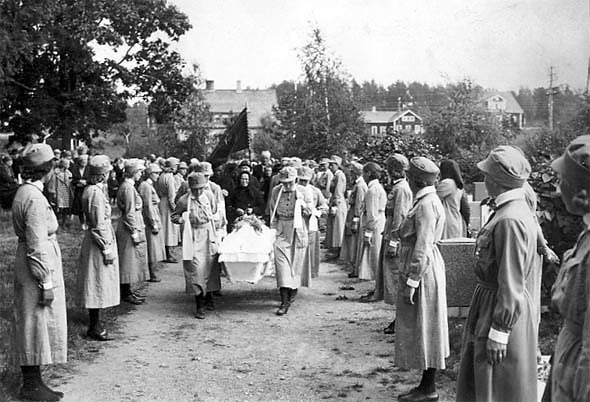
[
  {"x": 412, "y": 283},
  {"x": 47, "y": 285},
  {"x": 135, "y": 236},
  {"x": 498, "y": 336},
  {"x": 108, "y": 250}
]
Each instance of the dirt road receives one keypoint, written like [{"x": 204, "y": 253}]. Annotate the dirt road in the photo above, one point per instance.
[{"x": 328, "y": 347}]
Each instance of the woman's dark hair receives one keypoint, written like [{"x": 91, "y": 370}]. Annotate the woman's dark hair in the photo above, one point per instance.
[
  {"x": 449, "y": 169},
  {"x": 35, "y": 173},
  {"x": 97, "y": 178},
  {"x": 373, "y": 170}
]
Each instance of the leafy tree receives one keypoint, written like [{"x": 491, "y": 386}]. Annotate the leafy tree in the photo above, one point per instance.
[
  {"x": 319, "y": 116},
  {"x": 268, "y": 138},
  {"x": 51, "y": 80},
  {"x": 464, "y": 130}
]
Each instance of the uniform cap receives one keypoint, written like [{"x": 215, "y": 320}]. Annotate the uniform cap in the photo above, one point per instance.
[
  {"x": 423, "y": 169},
  {"x": 99, "y": 164},
  {"x": 304, "y": 173},
  {"x": 37, "y": 154},
  {"x": 574, "y": 164},
  {"x": 153, "y": 168},
  {"x": 171, "y": 162},
  {"x": 134, "y": 165},
  {"x": 507, "y": 165},
  {"x": 336, "y": 159},
  {"x": 182, "y": 165},
  {"x": 324, "y": 161},
  {"x": 287, "y": 174},
  {"x": 197, "y": 180},
  {"x": 397, "y": 162}
]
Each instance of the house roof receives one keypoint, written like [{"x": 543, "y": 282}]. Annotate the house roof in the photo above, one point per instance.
[
  {"x": 512, "y": 105},
  {"x": 258, "y": 101},
  {"x": 384, "y": 117}
]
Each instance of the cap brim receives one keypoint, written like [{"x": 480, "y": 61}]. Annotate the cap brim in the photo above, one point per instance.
[
  {"x": 485, "y": 165},
  {"x": 558, "y": 164}
]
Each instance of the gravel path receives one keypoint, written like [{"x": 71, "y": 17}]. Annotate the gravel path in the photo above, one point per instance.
[{"x": 328, "y": 347}]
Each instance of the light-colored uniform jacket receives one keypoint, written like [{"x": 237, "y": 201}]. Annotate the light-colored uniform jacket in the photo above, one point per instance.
[
  {"x": 98, "y": 283},
  {"x": 40, "y": 332}
]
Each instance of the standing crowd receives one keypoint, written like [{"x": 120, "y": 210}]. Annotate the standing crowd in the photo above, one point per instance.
[{"x": 168, "y": 206}]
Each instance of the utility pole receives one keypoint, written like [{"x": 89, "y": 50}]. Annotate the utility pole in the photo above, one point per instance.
[
  {"x": 550, "y": 92},
  {"x": 588, "y": 79}
]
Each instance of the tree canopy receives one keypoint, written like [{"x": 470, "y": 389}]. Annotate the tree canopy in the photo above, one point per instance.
[
  {"x": 69, "y": 67},
  {"x": 319, "y": 115}
]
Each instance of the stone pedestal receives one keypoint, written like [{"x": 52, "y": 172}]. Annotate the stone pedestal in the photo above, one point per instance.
[
  {"x": 459, "y": 257},
  {"x": 480, "y": 191}
]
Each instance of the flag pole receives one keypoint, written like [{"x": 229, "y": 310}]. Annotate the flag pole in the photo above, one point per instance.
[{"x": 249, "y": 147}]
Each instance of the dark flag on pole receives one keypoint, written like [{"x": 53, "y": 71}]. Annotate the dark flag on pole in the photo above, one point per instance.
[{"x": 234, "y": 139}]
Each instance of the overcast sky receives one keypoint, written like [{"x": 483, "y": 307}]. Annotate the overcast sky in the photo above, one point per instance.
[{"x": 501, "y": 44}]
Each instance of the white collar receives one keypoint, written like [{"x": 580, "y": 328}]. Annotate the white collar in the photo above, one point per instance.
[
  {"x": 130, "y": 181},
  {"x": 586, "y": 219},
  {"x": 510, "y": 195},
  {"x": 36, "y": 183},
  {"x": 425, "y": 191},
  {"x": 359, "y": 179},
  {"x": 373, "y": 183},
  {"x": 150, "y": 181}
]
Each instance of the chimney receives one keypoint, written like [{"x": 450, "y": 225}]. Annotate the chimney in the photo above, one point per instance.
[
  {"x": 399, "y": 104},
  {"x": 374, "y": 109},
  {"x": 210, "y": 85},
  {"x": 238, "y": 86}
]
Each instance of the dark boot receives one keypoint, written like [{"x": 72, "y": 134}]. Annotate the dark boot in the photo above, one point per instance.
[
  {"x": 95, "y": 330},
  {"x": 34, "y": 389},
  {"x": 200, "y": 314},
  {"x": 292, "y": 295},
  {"x": 284, "y": 301},
  {"x": 153, "y": 276},
  {"x": 169, "y": 257},
  {"x": 128, "y": 296},
  {"x": 209, "y": 305}
]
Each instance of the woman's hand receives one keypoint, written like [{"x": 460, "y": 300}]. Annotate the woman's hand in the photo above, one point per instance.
[
  {"x": 550, "y": 255},
  {"x": 47, "y": 297},
  {"x": 496, "y": 352},
  {"x": 410, "y": 291}
]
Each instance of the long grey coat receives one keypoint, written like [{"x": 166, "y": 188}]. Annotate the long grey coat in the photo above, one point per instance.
[
  {"x": 151, "y": 216},
  {"x": 40, "y": 332},
  {"x": 133, "y": 262},
  {"x": 421, "y": 329},
  {"x": 98, "y": 283}
]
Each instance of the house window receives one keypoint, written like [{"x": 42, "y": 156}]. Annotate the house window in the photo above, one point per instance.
[
  {"x": 398, "y": 127},
  {"x": 373, "y": 130},
  {"x": 382, "y": 129},
  {"x": 408, "y": 118},
  {"x": 417, "y": 129}
]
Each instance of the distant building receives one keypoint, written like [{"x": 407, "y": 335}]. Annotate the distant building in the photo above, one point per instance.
[
  {"x": 379, "y": 122},
  {"x": 505, "y": 106},
  {"x": 225, "y": 103}
]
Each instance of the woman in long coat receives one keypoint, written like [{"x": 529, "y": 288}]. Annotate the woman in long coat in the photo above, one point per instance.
[
  {"x": 570, "y": 377},
  {"x": 338, "y": 208},
  {"x": 373, "y": 222},
  {"x": 131, "y": 241},
  {"x": 288, "y": 210},
  {"x": 399, "y": 202},
  {"x": 499, "y": 352},
  {"x": 195, "y": 210},
  {"x": 98, "y": 278},
  {"x": 151, "y": 217},
  {"x": 167, "y": 188},
  {"x": 39, "y": 293},
  {"x": 351, "y": 244},
  {"x": 318, "y": 206},
  {"x": 450, "y": 191},
  {"x": 422, "y": 336}
]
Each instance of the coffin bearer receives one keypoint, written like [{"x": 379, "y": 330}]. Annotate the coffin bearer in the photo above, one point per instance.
[
  {"x": 571, "y": 291},
  {"x": 498, "y": 356},
  {"x": 199, "y": 244},
  {"x": 422, "y": 335},
  {"x": 399, "y": 202},
  {"x": 151, "y": 217},
  {"x": 287, "y": 218},
  {"x": 98, "y": 278},
  {"x": 338, "y": 208},
  {"x": 131, "y": 242},
  {"x": 166, "y": 189},
  {"x": 39, "y": 294}
]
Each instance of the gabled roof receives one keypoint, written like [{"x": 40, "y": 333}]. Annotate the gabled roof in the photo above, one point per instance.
[
  {"x": 384, "y": 117},
  {"x": 512, "y": 105},
  {"x": 258, "y": 101}
]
